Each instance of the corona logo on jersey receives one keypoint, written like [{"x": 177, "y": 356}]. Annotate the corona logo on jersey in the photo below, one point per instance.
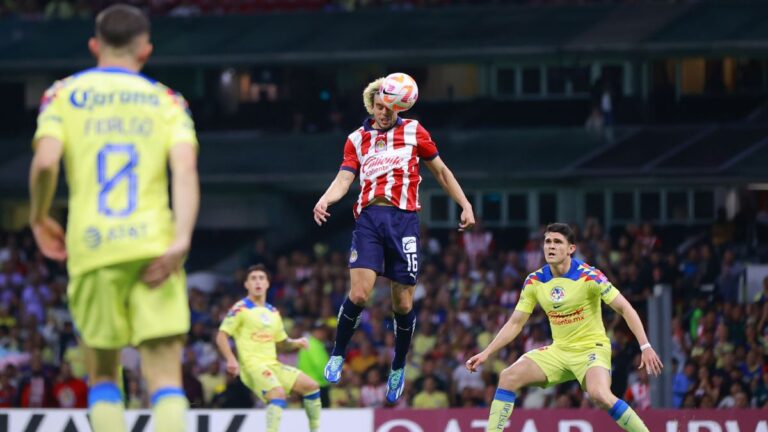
[
  {"x": 557, "y": 294},
  {"x": 399, "y": 92}
]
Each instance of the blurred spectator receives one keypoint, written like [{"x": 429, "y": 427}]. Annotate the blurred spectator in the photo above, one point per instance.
[
  {"x": 729, "y": 280},
  {"x": 430, "y": 397},
  {"x": 374, "y": 391},
  {"x": 7, "y": 390},
  {"x": 35, "y": 388},
  {"x": 213, "y": 382},
  {"x": 70, "y": 391}
]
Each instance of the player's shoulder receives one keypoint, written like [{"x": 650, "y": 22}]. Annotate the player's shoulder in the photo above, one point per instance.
[
  {"x": 542, "y": 275},
  {"x": 240, "y": 306},
  {"x": 58, "y": 87},
  {"x": 589, "y": 272},
  {"x": 271, "y": 308},
  {"x": 174, "y": 97}
]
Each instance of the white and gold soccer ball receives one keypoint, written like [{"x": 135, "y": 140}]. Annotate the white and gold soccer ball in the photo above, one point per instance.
[{"x": 399, "y": 92}]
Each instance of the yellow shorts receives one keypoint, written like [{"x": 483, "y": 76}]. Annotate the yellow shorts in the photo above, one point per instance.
[
  {"x": 561, "y": 365},
  {"x": 112, "y": 307},
  {"x": 262, "y": 378}
]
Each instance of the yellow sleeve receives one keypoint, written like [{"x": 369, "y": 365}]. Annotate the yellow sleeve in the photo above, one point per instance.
[
  {"x": 181, "y": 124},
  {"x": 280, "y": 334},
  {"x": 50, "y": 122},
  {"x": 604, "y": 287},
  {"x": 231, "y": 322},
  {"x": 528, "y": 296}
]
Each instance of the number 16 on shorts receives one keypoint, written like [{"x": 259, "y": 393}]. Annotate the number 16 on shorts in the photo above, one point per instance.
[{"x": 410, "y": 245}]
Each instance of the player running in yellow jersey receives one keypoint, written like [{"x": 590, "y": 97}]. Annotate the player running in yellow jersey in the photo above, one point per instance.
[
  {"x": 118, "y": 131},
  {"x": 569, "y": 291},
  {"x": 258, "y": 331}
]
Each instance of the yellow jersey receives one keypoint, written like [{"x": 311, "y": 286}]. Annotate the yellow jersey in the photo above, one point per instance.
[
  {"x": 571, "y": 302},
  {"x": 256, "y": 329},
  {"x": 117, "y": 127}
]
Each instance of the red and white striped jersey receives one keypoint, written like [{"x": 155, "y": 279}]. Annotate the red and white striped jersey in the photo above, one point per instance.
[{"x": 387, "y": 162}]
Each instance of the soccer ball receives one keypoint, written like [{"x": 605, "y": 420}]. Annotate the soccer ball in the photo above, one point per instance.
[{"x": 399, "y": 92}]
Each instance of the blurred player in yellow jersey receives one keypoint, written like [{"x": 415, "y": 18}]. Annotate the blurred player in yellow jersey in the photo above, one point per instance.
[
  {"x": 117, "y": 132},
  {"x": 570, "y": 292},
  {"x": 258, "y": 331}
]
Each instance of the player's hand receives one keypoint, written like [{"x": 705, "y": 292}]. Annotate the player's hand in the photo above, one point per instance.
[
  {"x": 467, "y": 220},
  {"x": 49, "y": 236},
  {"x": 162, "y": 267},
  {"x": 651, "y": 362},
  {"x": 301, "y": 343},
  {"x": 321, "y": 212},
  {"x": 473, "y": 363},
  {"x": 233, "y": 368}
]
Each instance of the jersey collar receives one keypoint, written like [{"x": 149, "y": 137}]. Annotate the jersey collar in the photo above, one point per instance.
[{"x": 369, "y": 122}]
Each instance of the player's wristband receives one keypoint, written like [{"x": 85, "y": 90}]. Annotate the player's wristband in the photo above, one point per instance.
[{"x": 645, "y": 347}]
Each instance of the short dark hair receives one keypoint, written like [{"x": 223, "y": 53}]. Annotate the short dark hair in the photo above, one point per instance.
[
  {"x": 258, "y": 267},
  {"x": 563, "y": 229},
  {"x": 118, "y": 25}
]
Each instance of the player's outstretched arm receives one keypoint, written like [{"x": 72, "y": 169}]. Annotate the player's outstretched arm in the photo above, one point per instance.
[
  {"x": 649, "y": 359},
  {"x": 43, "y": 177},
  {"x": 186, "y": 202},
  {"x": 336, "y": 191},
  {"x": 222, "y": 342},
  {"x": 448, "y": 182},
  {"x": 288, "y": 345},
  {"x": 506, "y": 335}
]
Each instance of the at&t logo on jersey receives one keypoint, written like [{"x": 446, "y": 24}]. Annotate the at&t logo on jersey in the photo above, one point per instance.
[
  {"x": 557, "y": 294},
  {"x": 92, "y": 237}
]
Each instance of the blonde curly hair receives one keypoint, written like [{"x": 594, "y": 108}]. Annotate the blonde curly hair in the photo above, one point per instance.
[{"x": 370, "y": 91}]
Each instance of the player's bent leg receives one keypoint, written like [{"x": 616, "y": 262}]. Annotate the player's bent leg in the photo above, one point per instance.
[
  {"x": 161, "y": 367},
  {"x": 362, "y": 280},
  {"x": 598, "y": 384},
  {"x": 275, "y": 405},
  {"x": 522, "y": 373},
  {"x": 405, "y": 325},
  {"x": 310, "y": 393},
  {"x": 105, "y": 402}
]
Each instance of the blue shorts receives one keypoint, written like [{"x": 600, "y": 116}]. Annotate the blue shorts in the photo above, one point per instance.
[{"x": 386, "y": 240}]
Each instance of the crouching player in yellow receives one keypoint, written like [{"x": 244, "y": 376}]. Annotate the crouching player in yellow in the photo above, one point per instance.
[
  {"x": 258, "y": 332},
  {"x": 569, "y": 291}
]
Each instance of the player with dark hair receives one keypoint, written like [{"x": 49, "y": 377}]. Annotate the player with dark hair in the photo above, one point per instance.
[
  {"x": 117, "y": 132},
  {"x": 569, "y": 291},
  {"x": 258, "y": 331}
]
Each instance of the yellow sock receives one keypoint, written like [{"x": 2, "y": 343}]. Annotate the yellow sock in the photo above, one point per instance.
[
  {"x": 501, "y": 409},
  {"x": 312, "y": 407},
  {"x": 105, "y": 404},
  {"x": 274, "y": 414},
  {"x": 169, "y": 410},
  {"x": 626, "y": 417}
]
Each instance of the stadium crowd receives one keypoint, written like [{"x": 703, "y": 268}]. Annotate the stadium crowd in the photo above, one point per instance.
[{"x": 467, "y": 288}]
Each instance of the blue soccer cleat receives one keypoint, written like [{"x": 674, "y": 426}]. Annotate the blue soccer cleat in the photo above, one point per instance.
[
  {"x": 395, "y": 385},
  {"x": 333, "y": 369}
]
